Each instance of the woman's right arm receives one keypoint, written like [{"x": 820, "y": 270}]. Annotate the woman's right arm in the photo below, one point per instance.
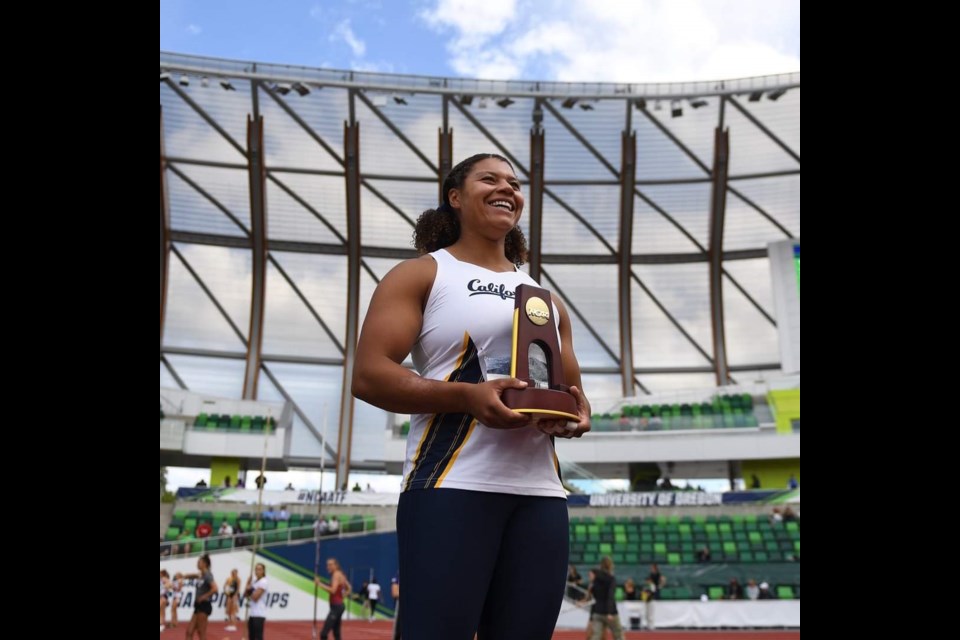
[{"x": 393, "y": 323}]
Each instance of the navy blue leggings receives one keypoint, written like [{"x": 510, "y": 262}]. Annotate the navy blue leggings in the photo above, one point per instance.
[{"x": 475, "y": 562}]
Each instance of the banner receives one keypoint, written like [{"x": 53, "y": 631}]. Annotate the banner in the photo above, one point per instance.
[
  {"x": 289, "y": 594},
  {"x": 298, "y": 496},
  {"x": 657, "y": 499}
]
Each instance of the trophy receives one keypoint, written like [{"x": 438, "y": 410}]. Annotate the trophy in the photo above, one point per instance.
[{"x": 535, "y": 346}]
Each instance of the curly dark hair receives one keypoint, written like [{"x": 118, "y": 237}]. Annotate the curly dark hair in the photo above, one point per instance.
[{"x": 438, "y": 229}]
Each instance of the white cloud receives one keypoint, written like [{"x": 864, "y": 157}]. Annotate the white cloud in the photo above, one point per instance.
[
  {"x": 493, "y": 65},
  {"x": 474, "y": 20},
  {"x": 620, "y": 40},
  {"x": 344, "y": 32},
  {"x": 194, "y": 29}
]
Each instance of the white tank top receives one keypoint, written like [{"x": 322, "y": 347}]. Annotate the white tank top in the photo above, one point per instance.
[{"x": 466, "y": 337}]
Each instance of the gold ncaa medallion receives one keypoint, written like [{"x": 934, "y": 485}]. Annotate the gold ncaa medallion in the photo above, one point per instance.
[{"x": 537, "y": 311}]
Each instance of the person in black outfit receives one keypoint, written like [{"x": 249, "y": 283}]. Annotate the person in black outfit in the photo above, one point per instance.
[
  {"x": 202, "y": 606},
  {"x": 657, "y": 579},
  {"x": 603, "y": 613},
  {"x": 765, "y": 593},
  {"x": 630, "y": 592},
  {"x": 734, "y": 590},
  {"x": 574, "y": 583}
]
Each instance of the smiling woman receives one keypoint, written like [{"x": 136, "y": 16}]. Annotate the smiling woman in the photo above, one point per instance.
[{"x": 482, "y": 520}]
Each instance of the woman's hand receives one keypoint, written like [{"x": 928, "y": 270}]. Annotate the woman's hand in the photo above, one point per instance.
[
  {"x": 568, "y": 428},
  {"x": 484, "y": 404}
]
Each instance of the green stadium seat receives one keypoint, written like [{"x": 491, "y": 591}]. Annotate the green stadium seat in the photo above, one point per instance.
[{"x": 785, "y": 592}]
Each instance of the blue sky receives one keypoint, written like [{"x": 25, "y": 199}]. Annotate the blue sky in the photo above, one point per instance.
[{"x": 566, "y": 40}]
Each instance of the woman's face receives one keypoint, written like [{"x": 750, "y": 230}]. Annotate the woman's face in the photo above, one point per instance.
[
  {"x": 259, "y": 571},
  {"x": 490, "y": 199}
]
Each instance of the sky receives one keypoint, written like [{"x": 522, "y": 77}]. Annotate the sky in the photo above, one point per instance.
[{"x": 562, "y": 40}]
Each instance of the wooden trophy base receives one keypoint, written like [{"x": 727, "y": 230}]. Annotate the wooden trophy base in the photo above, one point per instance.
[{"x": 542, "y": 404}]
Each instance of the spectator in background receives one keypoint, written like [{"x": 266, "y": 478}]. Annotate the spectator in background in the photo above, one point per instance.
[
  {"x": 185, "y": 541},
  {"x": 289, "y": 487},
  {"x": 373, "y": 595},
  {"x": 765, "y": 593},
  {"x": 320, "y": 527},
  {"x": 176, "y": 588},
  {"x": 333, "y": 525},
  {"x": 260, "y": 481},
  {"x": 603, "y": 613},
  {"x": 255, "y": 591},
  {"x": 202, "y": 483},
  {"x": 704, "y": 554},
  {"x": 776, "y": 517},
  {"x": 202, "y": 606},
  {"x": 734, "y": 590},
  {"x": 754, "y": 482},
  {"x": 789, "y": 515},
  {"x": 231, "y": 588},
  {"x": 632, "y": 594},
  {"x": 239, "y": 540},
  {"x": 753, "y": 591},
  {"x": 283, "y": 514},
  {"x": 165, "y": 595},
  {"x": 574, "y": 583},
  {"x": 657, "y": 579},
  {"x": 395, "y": 594},
  {"x": 792, "y": 482},
  {"x": 226, "y": 482},
  {"x": 241, "y": 482},
  {"x": 648, "y": 595},
  {"x": 225, "y": 529},
  {"x": 268, "y": 513},
  {"x": 338, "y": 589},
  {"x": 363, "y": 597}
]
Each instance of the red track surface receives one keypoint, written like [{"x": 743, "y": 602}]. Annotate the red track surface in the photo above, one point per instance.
[{"x": 359, "y": 630}]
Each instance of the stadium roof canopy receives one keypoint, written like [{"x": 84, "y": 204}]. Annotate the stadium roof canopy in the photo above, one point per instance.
[{"x": 649, "y": 211}]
